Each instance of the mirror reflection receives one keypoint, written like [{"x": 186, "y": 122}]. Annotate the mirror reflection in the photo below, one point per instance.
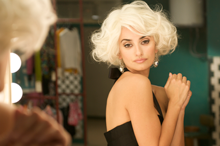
[{"x": 82, "y": 74}]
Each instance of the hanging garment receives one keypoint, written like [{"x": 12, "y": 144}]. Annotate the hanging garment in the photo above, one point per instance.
[
  {"x": 27, "y": 82},
  {"x": 30, "y": 65},
  {"x": 75, "y": 113},
  {"x": 38, "y": 73},
  {"x": 70, "y": 50},
  {"x": 47, "y": 68},
  {"x": 58, "y": 46},
  {"x": 69, "y": 128},
  {"x": 67, "y": 84}
]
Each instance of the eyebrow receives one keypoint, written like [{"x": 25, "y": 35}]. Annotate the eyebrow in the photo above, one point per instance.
[{"x": 130, "y": 40}]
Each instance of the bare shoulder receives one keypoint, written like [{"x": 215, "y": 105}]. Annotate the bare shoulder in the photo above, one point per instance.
[
  {"x": 133, "y": 79},
  {"x": 138, "y": 101},
  {"x": 133, "y": 88},
  {"x": 130, "y": 83}
]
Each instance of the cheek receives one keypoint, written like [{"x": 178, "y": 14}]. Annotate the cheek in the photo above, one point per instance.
[
  {"x": 151, "y": 50},
  {"x": 126, "y": 55}
]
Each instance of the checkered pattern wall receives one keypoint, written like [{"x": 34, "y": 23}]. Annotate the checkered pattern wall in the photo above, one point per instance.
[{"x": 214, "y": 92}]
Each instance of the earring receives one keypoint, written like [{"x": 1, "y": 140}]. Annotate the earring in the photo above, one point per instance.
[
  {"x": 122, "y": 67},
  {"x": 156, "y": 61}
]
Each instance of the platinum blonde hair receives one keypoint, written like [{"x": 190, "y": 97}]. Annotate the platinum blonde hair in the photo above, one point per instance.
[
  {"x": 139, "y": 16},
  {"x": 24, "y": 24}
]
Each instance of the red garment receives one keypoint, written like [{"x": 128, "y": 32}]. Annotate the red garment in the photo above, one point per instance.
[{"x": 75, "y": 113}]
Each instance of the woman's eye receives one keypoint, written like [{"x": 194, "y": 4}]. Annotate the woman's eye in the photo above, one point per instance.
[
  {"x": 127, "y": 45},
  {"x": 145, "y": 42}
]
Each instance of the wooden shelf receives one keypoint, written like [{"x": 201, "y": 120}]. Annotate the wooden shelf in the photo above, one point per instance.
[
  {"x": 72, "y": 20},
  {"x": 39, "y": 97}
]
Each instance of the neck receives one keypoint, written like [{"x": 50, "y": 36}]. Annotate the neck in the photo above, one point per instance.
[{"x": 143, "y": 72}]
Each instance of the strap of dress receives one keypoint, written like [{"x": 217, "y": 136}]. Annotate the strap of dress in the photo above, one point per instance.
[{"x": 157, "y": 105}]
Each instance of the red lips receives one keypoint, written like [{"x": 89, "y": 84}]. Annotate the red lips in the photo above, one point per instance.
[{"x": 141, "y": 60}]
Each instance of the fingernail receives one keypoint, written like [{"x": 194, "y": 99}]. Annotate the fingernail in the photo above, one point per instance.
[{"x": 170, "y": 74}]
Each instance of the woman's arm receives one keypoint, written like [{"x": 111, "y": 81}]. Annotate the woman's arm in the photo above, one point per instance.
[
  {"x": 143, "y": 115},
  {"x": 178, "y": 138}
]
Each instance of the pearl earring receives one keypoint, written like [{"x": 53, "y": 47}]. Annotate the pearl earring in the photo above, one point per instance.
[
  {"x": 122, "y": 67},
  {"x": 156, "y": 61}
]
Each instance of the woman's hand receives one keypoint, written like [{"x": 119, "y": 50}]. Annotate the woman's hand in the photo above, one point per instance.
[
  {"x": 36, "y": 128},
  {"x": 186, "y": 101},
  {"x": 178, "y": 90}
]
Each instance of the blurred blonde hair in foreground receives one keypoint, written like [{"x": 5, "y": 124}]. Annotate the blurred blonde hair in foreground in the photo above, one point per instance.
[{"x": 24, "y": 25}]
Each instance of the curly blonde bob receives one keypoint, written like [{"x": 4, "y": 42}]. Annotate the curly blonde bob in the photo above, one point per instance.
[
  {"x": 139, "y": 16},
  {"x": 24, "y": 25}
]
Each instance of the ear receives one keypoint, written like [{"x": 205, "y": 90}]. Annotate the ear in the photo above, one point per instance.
[{"x": 156, "y": 50}]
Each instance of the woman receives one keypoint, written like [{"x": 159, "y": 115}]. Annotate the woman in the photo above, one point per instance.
[
  {"x": 138, "y": 113},
  {"x": 23, "y": 27}
]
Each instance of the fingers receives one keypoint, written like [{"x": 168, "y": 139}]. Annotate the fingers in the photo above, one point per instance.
[
  {"x": 184, "y": 80},
  {"x": 179, "y": 76},
  {"x": 188, "y": 83},
  {"x": 29, "y": 128},
  {"x": 168, "y": 80},
  {"x": 56, "y": 135},
  {"x": 187, "y": 100},
  {"x": 190, "y": 94},
  {"x": 174, "y": 76},
  {"x": 21, "y": 119}
]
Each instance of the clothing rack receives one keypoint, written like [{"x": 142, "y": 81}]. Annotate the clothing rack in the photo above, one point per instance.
[{"x": 83, "y": 94}]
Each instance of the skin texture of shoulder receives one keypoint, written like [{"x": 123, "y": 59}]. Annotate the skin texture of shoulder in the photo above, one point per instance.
[
  {"x": 134, "y": 94},
  {"x": 122, "y": 94},
  {"x": 140, "y": 106},
  {"x": 132, "y": 80}
]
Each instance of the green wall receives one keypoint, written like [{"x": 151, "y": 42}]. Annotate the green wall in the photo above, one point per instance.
[
  {"x": 195, "y": 69},
  {"x": 213, "y": 25}
]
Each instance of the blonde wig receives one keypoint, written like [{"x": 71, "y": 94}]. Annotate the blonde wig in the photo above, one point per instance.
[
  {"x": 24, "y": 24},
  {"x": 139, "y": 16}
]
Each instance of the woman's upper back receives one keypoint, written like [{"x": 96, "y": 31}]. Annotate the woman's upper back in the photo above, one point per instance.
[
  {"x": 131, "y": 99},
  {"x": 118, "y": 100},
  {"x": 128, "y": 90}
]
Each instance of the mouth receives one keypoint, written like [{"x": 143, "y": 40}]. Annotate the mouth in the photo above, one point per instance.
[{"x": 140, "y": 60}]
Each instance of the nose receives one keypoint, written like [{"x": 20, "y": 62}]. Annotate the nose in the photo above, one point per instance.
[{"x": 138, "y": 51}]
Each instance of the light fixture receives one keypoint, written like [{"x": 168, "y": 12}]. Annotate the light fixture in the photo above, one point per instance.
[
  {"x": 16, "y": 92},
  {"x": 15, "y": 62}
]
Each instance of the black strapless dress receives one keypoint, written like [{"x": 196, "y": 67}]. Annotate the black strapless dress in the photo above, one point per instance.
[{"x": 123, "y": 135}]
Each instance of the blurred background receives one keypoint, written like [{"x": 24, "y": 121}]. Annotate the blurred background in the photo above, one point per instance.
[{"x": 76, "y": 94}]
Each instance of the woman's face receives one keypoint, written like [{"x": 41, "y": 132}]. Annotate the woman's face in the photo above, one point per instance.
[{"x": 137, "y": 52}]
